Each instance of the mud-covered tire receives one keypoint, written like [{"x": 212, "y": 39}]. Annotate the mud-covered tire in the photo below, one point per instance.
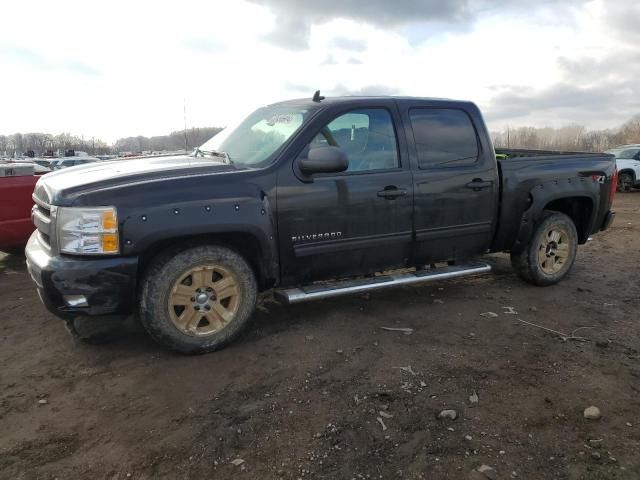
[
  {"x": 96, "y": 330},
  {"x": 162, "y": 282},
  {"x": 530, "y": 262},
  {"x": 625, "y": 182}
]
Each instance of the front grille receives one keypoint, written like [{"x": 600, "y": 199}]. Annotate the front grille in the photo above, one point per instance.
[{"x": 41, "y": 215}]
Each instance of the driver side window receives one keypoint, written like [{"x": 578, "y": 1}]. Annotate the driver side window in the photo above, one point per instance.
[{"x": 366, "y": 136}]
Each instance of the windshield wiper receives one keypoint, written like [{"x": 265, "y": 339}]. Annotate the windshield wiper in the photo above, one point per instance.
[{"x": 214, "y": 153}]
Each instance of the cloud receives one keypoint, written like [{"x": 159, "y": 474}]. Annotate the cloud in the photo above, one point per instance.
[
  {"x": 366, "y": 91},
  {"x": 33, "y": 59},
  {"x": 204, "y": 45},
  {"x": 290, "y": 32},
  {"x": 598, "y": 85},
  {"x": 595, "y": 91},
  {"x": 340, "y": 90},
  {"x": 346, "y": 43},
  {"x": 624, "y": 20},
  {"x": 329, "y": 60},
  {"x": 295, "y": 18}
]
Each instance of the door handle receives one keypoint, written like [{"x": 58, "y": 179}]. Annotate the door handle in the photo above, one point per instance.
[
  {"x": 389, "y": 193},
  {"x": 478, "y": 184}
]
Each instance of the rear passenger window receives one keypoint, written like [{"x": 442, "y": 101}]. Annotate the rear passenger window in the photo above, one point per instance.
[{"x": 444, "y": 137}]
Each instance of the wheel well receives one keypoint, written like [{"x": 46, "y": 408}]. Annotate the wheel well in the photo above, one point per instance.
[
  {"x": 629, "y": 171},
  {"x": 244, "y": 243},
  {"x": 579, "y": 209}
]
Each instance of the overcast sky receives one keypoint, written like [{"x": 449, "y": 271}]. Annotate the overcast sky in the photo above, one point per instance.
[{"x": 122, "y": 68}]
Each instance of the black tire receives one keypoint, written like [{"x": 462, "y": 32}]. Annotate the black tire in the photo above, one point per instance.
[
  {"x": 527, "y": 262},
  {"x": 161, "y": 277},
  {"x": 97, "y": 330},
  {"x": 625, "y": 182}
]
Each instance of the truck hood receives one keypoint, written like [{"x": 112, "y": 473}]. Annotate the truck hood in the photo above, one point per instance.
[{"x": 70, "y": 182}]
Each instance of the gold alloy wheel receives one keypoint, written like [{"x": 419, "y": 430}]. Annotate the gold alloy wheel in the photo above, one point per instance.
[
  {"x": 553, "y": 251},
  {"x": 204, "y": 300}
]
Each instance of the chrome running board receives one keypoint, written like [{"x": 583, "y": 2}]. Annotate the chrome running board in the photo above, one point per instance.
[{"x": 346, "y": 287}]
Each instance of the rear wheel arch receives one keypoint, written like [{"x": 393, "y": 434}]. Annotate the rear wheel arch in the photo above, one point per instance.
[
  {"x": 579, "y": 209},
  {"x": 630, "y": 171}
]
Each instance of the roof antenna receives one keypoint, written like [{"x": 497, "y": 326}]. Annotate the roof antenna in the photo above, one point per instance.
[{"x": 317, "y": 97}]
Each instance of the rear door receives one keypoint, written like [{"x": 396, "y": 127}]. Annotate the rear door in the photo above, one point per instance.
[
  {"x": 354, "y": 222},
  {"x": 456, "y": 182}
]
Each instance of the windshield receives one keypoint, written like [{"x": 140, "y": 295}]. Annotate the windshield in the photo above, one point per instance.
[{"x": 254, "y": 141}]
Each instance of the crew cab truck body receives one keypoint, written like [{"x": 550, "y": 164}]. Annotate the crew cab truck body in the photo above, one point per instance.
[{"x": 330, "y": 190}]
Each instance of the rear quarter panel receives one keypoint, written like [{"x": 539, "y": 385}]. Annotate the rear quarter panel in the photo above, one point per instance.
[{"x": 529, "y": 184}]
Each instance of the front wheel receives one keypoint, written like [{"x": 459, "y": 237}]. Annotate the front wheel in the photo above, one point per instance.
[
  {"x": 199, "y": 299},
  {"x": 625, "y": 182},
  {"x": 550, "y": 253}
]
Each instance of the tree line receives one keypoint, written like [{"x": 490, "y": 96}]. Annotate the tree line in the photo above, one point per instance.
[
  {"x": 180, "y": 140},
  {"x": 43, "y": 143},
  {"x": 568, "y": 138}
]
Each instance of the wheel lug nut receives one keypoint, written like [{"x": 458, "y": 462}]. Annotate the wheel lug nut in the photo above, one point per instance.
[
  {"x": 209, "y": 289},
  {"x": 193, "y": 299},
  {"x": 197, "y": 307},
  {"x": 207, "y": 307}
]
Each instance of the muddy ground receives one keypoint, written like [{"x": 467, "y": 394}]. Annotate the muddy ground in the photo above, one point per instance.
[{"x": 300, "y": 394}]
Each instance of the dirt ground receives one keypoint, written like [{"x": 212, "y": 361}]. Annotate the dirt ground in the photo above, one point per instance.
[{"x": 306, "y": 391}]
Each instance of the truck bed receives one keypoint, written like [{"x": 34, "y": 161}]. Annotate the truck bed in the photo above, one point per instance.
[{"x": 524, "y": 173}]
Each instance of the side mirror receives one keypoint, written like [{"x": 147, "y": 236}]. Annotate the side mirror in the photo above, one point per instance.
[{"x": 324, "y": 160}]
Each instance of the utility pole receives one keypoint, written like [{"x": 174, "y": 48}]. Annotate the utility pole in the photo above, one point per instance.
[{"x": 184, "y": 111}]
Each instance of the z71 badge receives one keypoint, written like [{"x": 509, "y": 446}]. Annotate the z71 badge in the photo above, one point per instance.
[{"x": 316, "y": 236}]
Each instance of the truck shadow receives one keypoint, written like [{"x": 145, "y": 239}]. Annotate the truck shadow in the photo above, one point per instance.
[
  {"x": 272, "y": 318},
  {"x": 12, "y": 261}
]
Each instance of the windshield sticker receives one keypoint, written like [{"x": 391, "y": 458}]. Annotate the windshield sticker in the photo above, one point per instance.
[{"x": 279, "y": 119}]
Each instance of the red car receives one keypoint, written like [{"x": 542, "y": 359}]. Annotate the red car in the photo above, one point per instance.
[{"x": 16, "y": 186}]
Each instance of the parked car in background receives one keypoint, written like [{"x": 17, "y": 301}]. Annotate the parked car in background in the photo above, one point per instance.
[
  {"x": 628, "y": 164},
  {"x": 39, "y": 167},
  {"x": 73, "y": 161},
  {"x": 17, "y": 181}
]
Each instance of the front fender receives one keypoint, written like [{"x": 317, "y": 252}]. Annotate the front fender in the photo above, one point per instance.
[{"x": 248, "y": 211}]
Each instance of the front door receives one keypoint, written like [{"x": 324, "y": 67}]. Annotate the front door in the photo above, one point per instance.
[{"x": 354, "y": 222}]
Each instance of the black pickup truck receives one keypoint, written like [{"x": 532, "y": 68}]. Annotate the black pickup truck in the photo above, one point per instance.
[{"x": 312, "y": 198}]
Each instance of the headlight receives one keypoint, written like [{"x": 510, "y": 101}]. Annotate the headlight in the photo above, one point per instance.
[{"x": 88, "y": 231}]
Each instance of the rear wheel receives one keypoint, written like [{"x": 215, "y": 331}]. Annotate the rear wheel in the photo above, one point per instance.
[
  {"x": 551, "y": 251},
  {"x": 625, "y": 182},
  {"x": 197, "y": 300}
]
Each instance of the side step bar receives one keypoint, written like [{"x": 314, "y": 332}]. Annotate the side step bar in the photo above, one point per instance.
[{"x": 346, "y": 287}]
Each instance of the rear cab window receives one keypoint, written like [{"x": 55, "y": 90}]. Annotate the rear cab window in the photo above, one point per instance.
[{"x": 444, "y": 137}]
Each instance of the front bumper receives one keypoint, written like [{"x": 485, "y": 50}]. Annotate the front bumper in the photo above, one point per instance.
[{"x": 108, "y": 284}]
